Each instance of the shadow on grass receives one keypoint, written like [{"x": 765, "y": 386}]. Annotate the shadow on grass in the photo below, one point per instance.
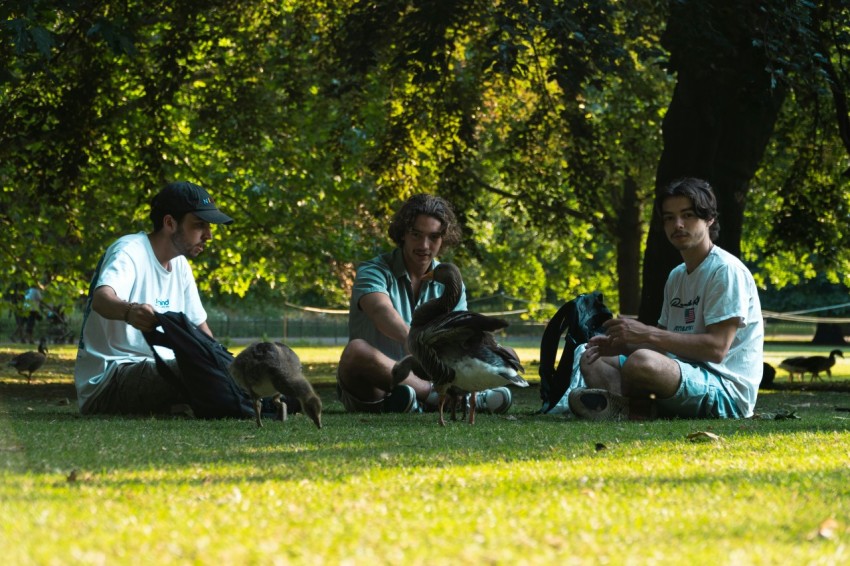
[{"x": 41, "y": 425}]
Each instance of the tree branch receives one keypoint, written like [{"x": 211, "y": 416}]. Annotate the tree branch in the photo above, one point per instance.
[{"x": 542, "y": 207}]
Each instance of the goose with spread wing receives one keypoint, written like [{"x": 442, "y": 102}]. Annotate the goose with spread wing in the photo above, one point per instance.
[{"x": 457, "y": 348}]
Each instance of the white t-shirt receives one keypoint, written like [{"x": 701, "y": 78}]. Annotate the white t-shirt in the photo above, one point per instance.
[
  {"x": 720, "y": 288},
  {"x": 130, "y": 267}
]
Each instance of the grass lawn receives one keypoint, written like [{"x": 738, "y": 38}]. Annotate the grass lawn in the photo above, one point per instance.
[{"x": 399, "y": 489}]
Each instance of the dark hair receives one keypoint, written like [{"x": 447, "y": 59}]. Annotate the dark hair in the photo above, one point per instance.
[
  {"x": 429, "y": 205},
  {"x": 157, "y": 216},
  {"x": 701, "y": 195}
]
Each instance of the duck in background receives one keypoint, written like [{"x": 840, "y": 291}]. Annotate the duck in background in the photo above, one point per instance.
[
  {"x": 30, "y": 362},
  {"x": 814, "y": 365}
]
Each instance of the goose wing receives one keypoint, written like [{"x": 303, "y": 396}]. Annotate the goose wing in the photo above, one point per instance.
[
  {"x": 27, "y": 361},
  {"x": 469, "y": 321},
  {"x": 435, "y": 342},
  {"x": 508, "y": 357},
  {"x": 404, "y": 366},
  {"x": 795, "y": 364},
  {"x": 459, "y": 336},
  {"x": 428, "y": 351}
]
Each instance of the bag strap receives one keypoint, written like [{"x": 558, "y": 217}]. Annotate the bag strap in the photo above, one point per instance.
[
  {"x": 157, "y": 338},
  {"x": 554, "y": 380}
]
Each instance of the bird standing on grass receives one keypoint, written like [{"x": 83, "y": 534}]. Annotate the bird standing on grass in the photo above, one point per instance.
[
  {"x": 267, "y": 369},
  {"x": 810, "y": 364},
  {"x": 29, "y": 362},
  {"x": 457, "y": 348}
]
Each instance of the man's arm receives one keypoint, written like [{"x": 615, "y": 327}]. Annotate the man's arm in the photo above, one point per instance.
[
  {"x": 383, "y": 315},
  {"x": 206, "y": 329},
  {"x": 141, "y": 316},
  {"x": 108, "y": 305},
  {"x": 623, "y": 335}
]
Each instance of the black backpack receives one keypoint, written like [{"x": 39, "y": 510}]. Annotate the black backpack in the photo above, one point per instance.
[
  {"x": 204, "y": 364},
  {"x": 577, "y": 321}
]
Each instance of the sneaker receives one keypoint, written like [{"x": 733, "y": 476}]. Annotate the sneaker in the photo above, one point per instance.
[
  {"x": 494, "y": 401},
  {"x": 598, "y": 405},
  {"x": 402, "y": 399}
]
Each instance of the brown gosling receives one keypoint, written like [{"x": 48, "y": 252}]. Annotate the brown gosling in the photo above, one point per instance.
[{"x": 267, "y": 369}]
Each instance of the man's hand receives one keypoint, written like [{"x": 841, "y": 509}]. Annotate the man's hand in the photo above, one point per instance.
[
  {"x": 620, "y": 338},
  {"x": 627, "y": 331},
  {"x": 625, "y": 335},
  {"x": 142, "y": 317}
]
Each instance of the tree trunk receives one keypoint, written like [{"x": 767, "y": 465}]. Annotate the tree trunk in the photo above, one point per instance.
[
  {"x": 829, "y": 334},
  {"x": 716, "y": 128},
  {"x": 629, "y": 237}
]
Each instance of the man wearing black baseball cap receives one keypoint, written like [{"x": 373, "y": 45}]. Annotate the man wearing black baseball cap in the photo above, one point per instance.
[
  {"x": 140, "y": 275},
  {"x": 181, "y": 197}
]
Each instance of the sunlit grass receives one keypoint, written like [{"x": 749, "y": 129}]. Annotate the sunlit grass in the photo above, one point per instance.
[{"x": 393, "y": 489}]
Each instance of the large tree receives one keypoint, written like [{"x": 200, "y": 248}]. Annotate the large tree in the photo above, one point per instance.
[
  {"x": 551, "y": 108},
  {"x": 718, "y": 124},
  {"x": 735, "y": 63},
  {"x": 541, "y": 121}
]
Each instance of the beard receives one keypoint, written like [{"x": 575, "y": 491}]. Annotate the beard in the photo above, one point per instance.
[{"x": 183, "y": 247}]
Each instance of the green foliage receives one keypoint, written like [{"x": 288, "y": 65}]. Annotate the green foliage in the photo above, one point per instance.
[
  {"x": 540, "y": 121},
  {"x": 309, "y": 140},
  {"x": 800, "y": 199},
  {"x": 540, "y": 111}
]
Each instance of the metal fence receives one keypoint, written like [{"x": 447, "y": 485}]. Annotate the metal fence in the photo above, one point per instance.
[{"x": 332, "y": 329}]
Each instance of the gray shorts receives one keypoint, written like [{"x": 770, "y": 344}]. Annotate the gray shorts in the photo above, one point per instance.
[
  {"x": 354, "y": 405},
  {"x": 701, "y": 395},
  {"x": 137, "y": 389}
]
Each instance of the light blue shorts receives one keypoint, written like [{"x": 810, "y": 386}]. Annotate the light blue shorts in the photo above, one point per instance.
[{"x": 701, "y": 395}]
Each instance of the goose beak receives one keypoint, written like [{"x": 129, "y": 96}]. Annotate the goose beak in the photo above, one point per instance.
[{"x": 429, "y": 276}]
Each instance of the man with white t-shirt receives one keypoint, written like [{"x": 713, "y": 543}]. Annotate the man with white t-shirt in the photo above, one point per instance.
[
  {"x": 705, "y": 357},
  {"x": 138, "y": 276}
]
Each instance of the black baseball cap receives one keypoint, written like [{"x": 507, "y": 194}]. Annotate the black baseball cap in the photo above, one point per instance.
[{"x": 180, "y": 197}]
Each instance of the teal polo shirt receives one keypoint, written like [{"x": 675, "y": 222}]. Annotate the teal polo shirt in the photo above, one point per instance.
[{"x": 386, "y": 274}]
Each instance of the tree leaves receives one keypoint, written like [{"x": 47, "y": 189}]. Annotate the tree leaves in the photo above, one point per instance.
[{"x": 540, "y": 121}]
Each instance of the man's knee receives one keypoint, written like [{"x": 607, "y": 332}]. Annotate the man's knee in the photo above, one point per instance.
[
  {"x": 362, "y": 367},
  {"x": 651, "y": 371},
  {"x": 356, "y": 349},
  {"x": 354, "y": 355},
  {"x": 641, "y": 362}
]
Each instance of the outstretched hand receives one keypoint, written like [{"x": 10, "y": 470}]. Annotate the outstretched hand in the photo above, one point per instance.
[{"x": 621, "y": 335}]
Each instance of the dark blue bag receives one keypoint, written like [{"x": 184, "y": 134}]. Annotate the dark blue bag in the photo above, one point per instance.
[
  {"x": 577, "y": 321},
  {"x": 204, "y": 364}
]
